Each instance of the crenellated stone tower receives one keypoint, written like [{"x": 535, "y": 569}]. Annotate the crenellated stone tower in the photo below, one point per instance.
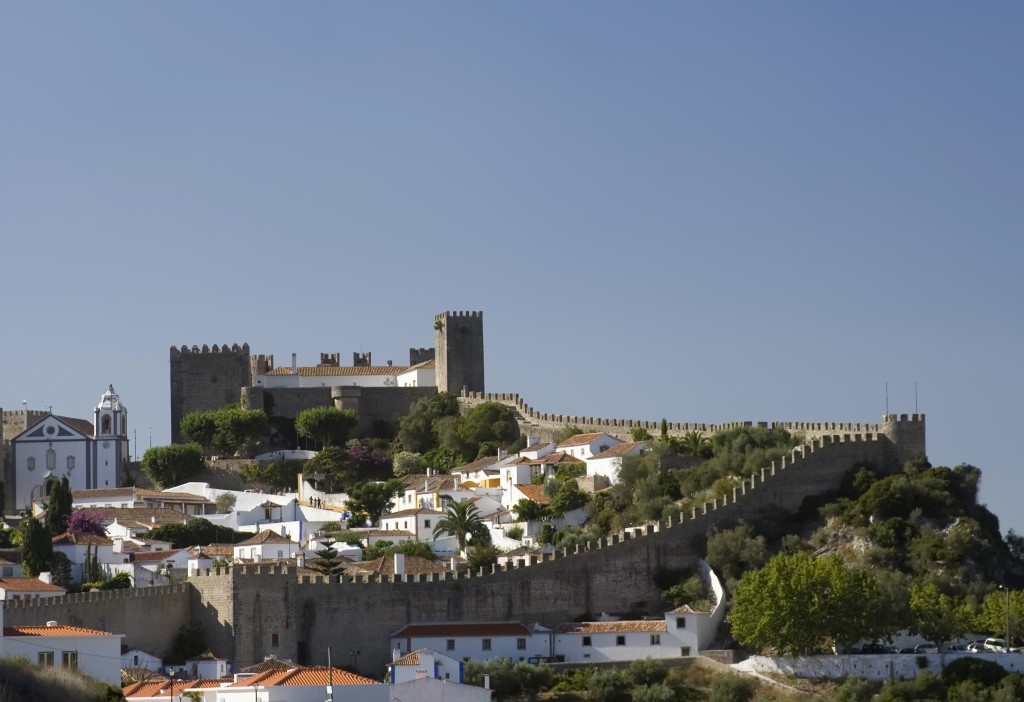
[
  {"x": 459, "y": 352},
  {"x": 204, "y": 379}
]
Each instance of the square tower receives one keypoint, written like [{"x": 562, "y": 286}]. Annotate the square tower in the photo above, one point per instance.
[{"x": 459, "y": 351}]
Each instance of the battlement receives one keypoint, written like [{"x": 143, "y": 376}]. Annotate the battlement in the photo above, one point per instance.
[
  {"x": 446, "y": 315},
  {"x": 130, "y": 593},
  {"x": 196, "y": 350},
  {"x": 330, "y": 359},
  {"x": 261, "y": 364},
  {"x": 417, "y": 356},
  {"x": 362, "y": 359}
]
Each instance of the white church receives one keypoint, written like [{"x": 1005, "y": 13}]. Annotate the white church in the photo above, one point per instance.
[{"x": 51, "y": 449}]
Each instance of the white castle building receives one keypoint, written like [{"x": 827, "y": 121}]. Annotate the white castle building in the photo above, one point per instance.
[{"x": 52, "y": 448}]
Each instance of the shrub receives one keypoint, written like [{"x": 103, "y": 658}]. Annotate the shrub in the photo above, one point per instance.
[
  {"x": 646, "y": 671},
  {"x": 986, "y": 672},
  {"x": 855, "y": 690},
  {"x": 731, "y": 688},
  {"x": 607, "y": 685},
  {"x": 659, "y": 692}
]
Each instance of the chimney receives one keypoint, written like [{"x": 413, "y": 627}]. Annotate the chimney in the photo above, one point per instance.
[
  {"x": 399, "y": 564},
  {"x": 396, "y": 653},
  {"x": 501, "y": 453},
  {"x": 118, "y": 546},
  {"x": 300, "y": 559},
  {"x": 52, "y": 623},
  {"x": 295, "y": 364},
  {"x": 46, "y": 577},
  {"x": 487, "y": 681}
]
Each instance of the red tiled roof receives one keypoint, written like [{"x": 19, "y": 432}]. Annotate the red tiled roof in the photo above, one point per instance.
[
  {"x": 411, "y": 512},
  {"x": 59, "y": 630},
  {"x": 534, "y": 492},
  {"x": 81, "y": 538},
  {"x": 582, "y": 439},
  {"x": 154, "y": 556},
  {"x": 618, "y": 450},
  {"x": 554, "y": 459},
  {"x": 305, "y": 677},
  {"x": 28, "y": 585},
  {"x": 266, "y": 537},
  {"x": 626, "y": 626},
  {"x": 385, "y": 565},
  {"x": 456, "y": 629}
]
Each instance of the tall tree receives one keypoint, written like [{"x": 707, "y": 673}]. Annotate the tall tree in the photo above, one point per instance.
[
  {"x": 327, "y": 560},
  {"x": 416, "y": 430},
  {"x": 58, "y": 507},
  {"x": 328, "y": 426},
  {"x": 36, "y": 547},
  {"x": 938, "y": 617},
  {"x": 462, "y": 520}
]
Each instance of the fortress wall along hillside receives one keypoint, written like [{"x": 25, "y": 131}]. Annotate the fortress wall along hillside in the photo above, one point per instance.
[{"x": 242, "y": 609}]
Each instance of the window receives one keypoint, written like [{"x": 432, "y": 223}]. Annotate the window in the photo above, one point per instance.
[
  {"x": 620, "y": 640},
  {"x": 520, "y": 644},
  {"x": 426, "y": 523},
  {"x": 69, "y": 659},
  {"x": 655, "y": 639},
  {"x": 46, "y": 658},
  {"x": 450, "y": 644},
  {"x": 275, "y": 640},
  {"x": 680, "y": 622},
  {"x": 51, "y": 459},
  {"x": 486, "y": 644},
  {"x": 684, "y": 651},
  {"x": 586, "y": 640},
  {"x": 105, "y": 422},
  {"x": 71, "y": 462},
  {"x": 31, "y": 463}
]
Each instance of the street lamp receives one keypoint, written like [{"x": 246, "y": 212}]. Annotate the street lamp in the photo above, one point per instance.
[{"x": 255, "y": 692}]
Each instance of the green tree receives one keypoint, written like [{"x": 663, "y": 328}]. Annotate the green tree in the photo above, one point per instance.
[
  {"x": 60, "y": 569},
  {"x": 640, "y": 434},
  {"x": 368, "y": 501},
  {"x": 733, "y": 552},
  {"x": 226, "y": 430},
  {"x": 416, "y": 429},
  {"x": 566, "y": 432},
  {"x": 58, "y": 507},
  {"x": 328, "y": 426},
  {"x": 800, "y": 604},
  {"x": 694, "y": 443},
  {"x": 528, "y": 510},
  {"x": 731, "y": 688},
  {"x": 408, "y": 463},
  {"x": 36, "y": 547},
  {"x": 937, "y": 616},
  {"x": 608, "y": 685},
  {"x": 196, "y": 532},
  {"x": 282, "y": 475},
  {"x": 993, "y": 614},
  {"x": 327, "y": 560},
  {"x": 408, "y": 548},
  {"x": 173, "y": 465},
  {"x": 462, "y": 520},
  {"x": 226, "y": 502}
]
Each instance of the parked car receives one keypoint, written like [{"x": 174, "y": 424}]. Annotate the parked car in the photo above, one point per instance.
[
  {"x": 926, "y": 647},
  {"x": 976, "y": 646},
  {"x": 995, "y": 645},
  {"x": 876, "y": 647}
]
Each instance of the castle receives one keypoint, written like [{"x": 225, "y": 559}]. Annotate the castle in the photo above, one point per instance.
[{"x": 205, "y": 379}]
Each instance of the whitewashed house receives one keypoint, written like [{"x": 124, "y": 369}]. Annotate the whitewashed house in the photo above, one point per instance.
[
  {"x": 266, "y": 545},
  {"x": 141, "y": 660},
  {"x": 97, "y": 653},
  {"x": 206, "y": 666},
  {"x": 77, "y": 546},
  {"x": 419, "y": 376},
  {"x": 29, "y": 588},
  {"x": 476, "y": 640},
  {"x": 584, "y": 446},
  {"x": 425, "y": 663},
  {"x": 419, "y": 522},
  {"x": 607, "y": 463},
  {"x": 432, "y": 690}
]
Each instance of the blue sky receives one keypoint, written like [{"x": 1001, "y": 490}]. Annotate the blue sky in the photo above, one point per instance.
[{"x": 705, "y": 212}]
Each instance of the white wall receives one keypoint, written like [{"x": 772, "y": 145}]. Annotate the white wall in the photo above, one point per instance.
[
  {"x": 870, "y": 667},
  {"x": 537, "y": 644},
  {"x": 99, "y": 656}
]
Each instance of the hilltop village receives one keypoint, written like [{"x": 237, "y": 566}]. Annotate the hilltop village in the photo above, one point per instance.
[{"x": 399, "y": 518}]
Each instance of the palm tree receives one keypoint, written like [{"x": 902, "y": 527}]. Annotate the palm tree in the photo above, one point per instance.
[
  {"x": 694, "y": 443},
  {"x": 462, "y": 520}
]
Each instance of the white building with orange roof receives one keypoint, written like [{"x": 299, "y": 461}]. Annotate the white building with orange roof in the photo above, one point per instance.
[
  {"x": 299, "y": 685},
  {"x": 77, "y": 546},
  {"x": 266, "y": 545},
  {"x": 608, "y": 462},
  {"x": 29, "y": 588},
  {"x": 97, "y": 653},
  {"x": 586, "y": 445}
]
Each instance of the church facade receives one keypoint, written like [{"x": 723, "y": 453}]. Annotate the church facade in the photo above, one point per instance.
[{"x": 53, "y": 448}]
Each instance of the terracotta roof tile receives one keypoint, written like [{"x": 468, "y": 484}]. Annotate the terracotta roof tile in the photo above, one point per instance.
[
  {"x": 59, "y": 630},
  {"x": 625, "y": 626},
  {"x": 534, "y": 492},
  {"x": 618, "y": 450},
  {"x": 385, "y": 565},
  {"x": 409, "y": 659},
  {"x": 81, "y": 538},
  {"x": 28, "y": 585},
  {"x": 306, "y": 677},
  {"x": 154, "y": 556},
  {"x": 143, "y": 516},
  {"x": 556, "y": 458},
  {"x": 266, "y": 537},
  {"x": 582, "y": 439}
]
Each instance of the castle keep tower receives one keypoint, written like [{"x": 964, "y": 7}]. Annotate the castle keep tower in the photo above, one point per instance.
[
  {"x": 459, "y": 351},
  {"x": 206, "y": 379}
]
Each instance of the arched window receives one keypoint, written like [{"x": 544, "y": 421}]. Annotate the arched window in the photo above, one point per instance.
[
  {"x": 105, "y": 423},
  {"x": 71, "y": 462},
  {"x": 51, "y": 460},
  {"x": 31, "y": 463}
]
